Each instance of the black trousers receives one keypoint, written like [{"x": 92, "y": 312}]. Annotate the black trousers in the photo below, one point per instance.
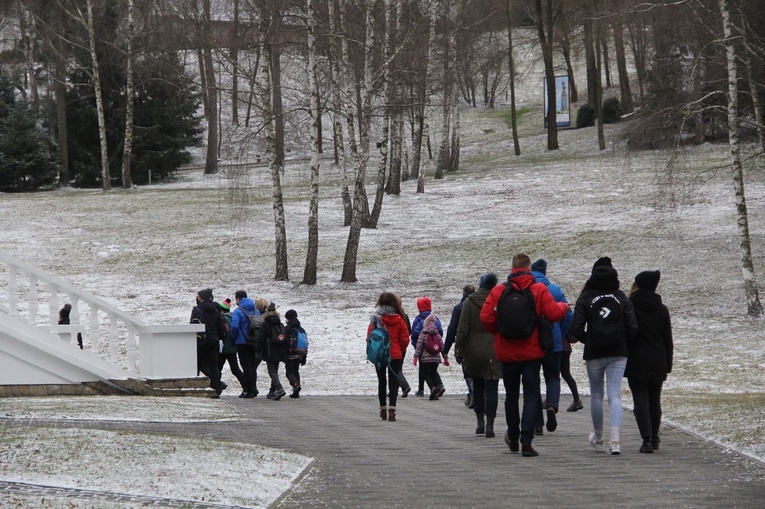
[
  {"x": 233, "y": 364},
  {"x": 486, "y": 396},
  {"x": 389, "y": 381},
  {"x": 292, "y": 369},
  {"x": 430, "y": 373},
  {"x": 565, "y": 373},
  {"x": 207, "y": 363},
  {"x": 250, "y": 362},
  {"x": 646, "y": 396}
]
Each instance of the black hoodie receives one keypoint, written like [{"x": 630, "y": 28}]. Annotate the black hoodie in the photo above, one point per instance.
[{"x": 651, "y": 350}]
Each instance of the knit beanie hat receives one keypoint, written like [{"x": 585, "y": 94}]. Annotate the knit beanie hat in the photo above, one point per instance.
[
  {"x": 605, "y": 260},
  {"x": 424, "y": 304},
  {"x": 291, "y": 314},
  {"x": 604, "y": 277},
  {"x": 540, "y": 266},
  {"x": 488, "y": 281},
  {"x": 205, "y": 294},
  {"x": 225, "y": 305},
  {"x": 648, "y": 280}
]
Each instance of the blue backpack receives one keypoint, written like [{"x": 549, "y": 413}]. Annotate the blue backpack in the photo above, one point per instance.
[
  {"x": 378, "y": 347},
  {"x": 299, "y": 342}
]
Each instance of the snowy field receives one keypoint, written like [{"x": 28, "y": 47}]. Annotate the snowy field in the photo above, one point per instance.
[{"x": 148, "y": 251}]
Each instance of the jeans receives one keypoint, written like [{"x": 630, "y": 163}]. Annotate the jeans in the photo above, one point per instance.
[
  {"x": 486, "y": 396},
  {"x": 390, "y": 380},
  {"x": 551, "y": 370},
  {"x": 646, "y": 397},
  {"x": 513, "y": 375},
  {"x": 612, "y": 369}
]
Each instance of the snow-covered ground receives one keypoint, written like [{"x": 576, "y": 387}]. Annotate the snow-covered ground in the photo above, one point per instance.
[{"x": 148, "y": 251}]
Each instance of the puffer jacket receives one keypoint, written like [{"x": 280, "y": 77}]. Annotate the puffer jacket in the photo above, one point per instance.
[
  {"x": 474, "y": 343},
  {"x": 240, "y": 323},
  {"x": 651, "y": 350},
  {"x": 270, "y": 351},
  {"x": 428, "y": 327},
  {"x": 208, "y": 313},
  {"x": 396, "y": 327},
  {"x": 520, "y": 350},
  {"x": 560, "y": 329}
]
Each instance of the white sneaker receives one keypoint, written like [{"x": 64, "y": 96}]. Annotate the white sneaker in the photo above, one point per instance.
[
  {"x": 615, "y": 448},
  {"x": 595, "y": 443}
]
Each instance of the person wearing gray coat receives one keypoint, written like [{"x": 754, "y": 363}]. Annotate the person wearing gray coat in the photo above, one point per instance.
[{"x": 475, "y": 351}]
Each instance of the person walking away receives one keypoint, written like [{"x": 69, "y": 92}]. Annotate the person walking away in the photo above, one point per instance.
[
  {"x": 474, "y": 350},
  {"x": 248, "y": 352},
  {"x": 208, "y": 342},
  {"x": 610, "y": 325},
  {"x": 650, "y": 357},
  {"x": 297, "y": 353},
  {"x": 424, "y": 307},
  {"x": 510, "y": 313},
  {"x": 273, "y": 346},
  {"x": 551, "y": 362},
  {"x": 451, "y": 336},
  {"x": 228, "y": 352},
  {"x": 430, "y": 349},
  {"x": 389, "y": 316},
  {"x": 565, "y": 372}
]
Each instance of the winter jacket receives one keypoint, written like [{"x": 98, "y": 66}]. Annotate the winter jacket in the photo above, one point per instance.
[
  {"x": 289, "y": 329},
  {"x": 603, "y": 281},
  {"x": 451, "y": 330},
  {"x": 208, "y": 313},
  {"x": 240, "y": 323},
  {"x": 229, "y": 345},
  {"x": 417, "y": 326},
  {"x": 271, "y": 352},
  {"x": 420, "y": 351},
  {"x": 651, "y": 349},
  {"x": 474, "y": 343},
  {"x": 396, "y": 327},
  {"x": 560, "y": 329},
  {"x": 519, "y": 350}
]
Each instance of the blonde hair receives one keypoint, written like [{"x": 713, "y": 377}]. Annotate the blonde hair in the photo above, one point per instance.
[{"x": 261, "y": 304}]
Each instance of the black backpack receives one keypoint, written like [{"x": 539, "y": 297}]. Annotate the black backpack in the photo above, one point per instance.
[
  {"x": 605, "y": 324},
  {"x": 516, "y": 313},
  {"x": 278, "y": 336}
]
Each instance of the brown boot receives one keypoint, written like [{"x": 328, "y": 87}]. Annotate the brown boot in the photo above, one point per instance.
[
  {"x": 392, "y": 414},
  {"x": 384, "y": 413}
]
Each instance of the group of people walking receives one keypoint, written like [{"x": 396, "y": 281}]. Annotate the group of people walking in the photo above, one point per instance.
[
  {"x": 249, "y": 334},
  {"x": 511, "y": 331}
]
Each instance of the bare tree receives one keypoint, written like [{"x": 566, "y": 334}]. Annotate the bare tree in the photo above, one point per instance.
[
  {"x": 309, "y": 274},
  {"x": 209, "y": 87},
  {"x": 450, "y": 47},
  {"x": 90, "y": 25},
  {"x": 621, "y": 59},
  {"x": 546, "y": 31},
  {"x": 754, "y": 308},
  {"x": 423, "y": 128},
  {"x": 127, "y": 179},
  {"x": 511, "y": 67}
]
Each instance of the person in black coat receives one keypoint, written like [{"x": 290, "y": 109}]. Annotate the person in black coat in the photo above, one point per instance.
[
  {"x": 451, "y": 336},
  {"x": 208, "y": 342},
  {"x": 650, "y": 358},
  {"x": 273, "y": 346}
]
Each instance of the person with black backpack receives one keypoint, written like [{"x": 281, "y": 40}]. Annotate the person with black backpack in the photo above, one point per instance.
[
  {"x": 208, "y": 342},
  {"x": 604, "y": 321},
  {"x": 273, "y": 346},
  {"x": 511, "y": 313},
  {"x": 297, "y": 353},
  {"x": 245, "y": 324}
]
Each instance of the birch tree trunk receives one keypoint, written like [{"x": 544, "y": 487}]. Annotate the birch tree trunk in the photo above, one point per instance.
[
  {"x": 234, "y": 52},
  {"x": 309, "y": 274},
  {"x": 106, "y": 183},
  {"x": 282, "y": 271},
  {"x": 337, "y": 77},
  {"x": 444, "y": 156},
  {"x": 424, "y": 130},
  {"x": 511, "y": 67},
  {"x": 127, "y": 154},
  {"x": 60, "y": 90},
  {"x": 754, "y": 308},
  {"x": 26, "y": 26}
]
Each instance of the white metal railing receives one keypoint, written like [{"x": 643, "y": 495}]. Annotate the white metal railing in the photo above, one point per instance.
[{"x": 37, "y": 297}]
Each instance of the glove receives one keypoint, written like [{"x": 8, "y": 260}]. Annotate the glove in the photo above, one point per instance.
[
  {"x": 446, "y": 362},
  {"x": 458, "y": 359},
  {"x": 414, "y": 361},
  {"x": 302, "y": 363}
]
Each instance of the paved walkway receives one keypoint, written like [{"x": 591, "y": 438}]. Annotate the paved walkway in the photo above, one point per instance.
[{"x": 430, "y": 457}]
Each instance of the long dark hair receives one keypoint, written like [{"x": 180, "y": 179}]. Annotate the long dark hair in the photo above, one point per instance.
[{"x": 390, "y": 299}]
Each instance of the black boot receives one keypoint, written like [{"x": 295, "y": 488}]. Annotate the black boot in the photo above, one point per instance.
[
  {"x": 481, "y": 428},
  {"x": 647, "y": 446},
  {"x": 490, "y": 427}
]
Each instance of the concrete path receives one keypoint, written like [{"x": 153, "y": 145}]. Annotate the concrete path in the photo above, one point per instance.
[{"x": 431, "y": 457}]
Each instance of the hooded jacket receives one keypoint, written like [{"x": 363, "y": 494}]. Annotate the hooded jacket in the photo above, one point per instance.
[
  {"x": 474, "y": 343},
  {"x": 560, "y": 329},
  {"x": 208, "y": 313},
  {"x": 604, "y": 280},
  {"x": 397, "y": 329},
  {"x": 240, "y": 322},
  {"x": 428, "y": 327},
  {"x": 272, "y": 353},
  {"x": 519, "y": 350},
  {"x": 651, "y": 350}
]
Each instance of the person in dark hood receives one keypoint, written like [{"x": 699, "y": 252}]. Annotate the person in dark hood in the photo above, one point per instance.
[
  {"x": 296, "y": 357},
  {"x": 451, "y": 336},
  {"x": 208, "y": 342},
  {"x": 273, "y": 346},
  {"x": 424, "y": 308},
  {"x": 610, "y": 321},
  {"x": 650, "y": 359}
]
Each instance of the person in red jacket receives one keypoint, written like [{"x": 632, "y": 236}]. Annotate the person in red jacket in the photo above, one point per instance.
[
  {"x": 390, "y": 315},
  {"x": 521, "y": 358}
]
